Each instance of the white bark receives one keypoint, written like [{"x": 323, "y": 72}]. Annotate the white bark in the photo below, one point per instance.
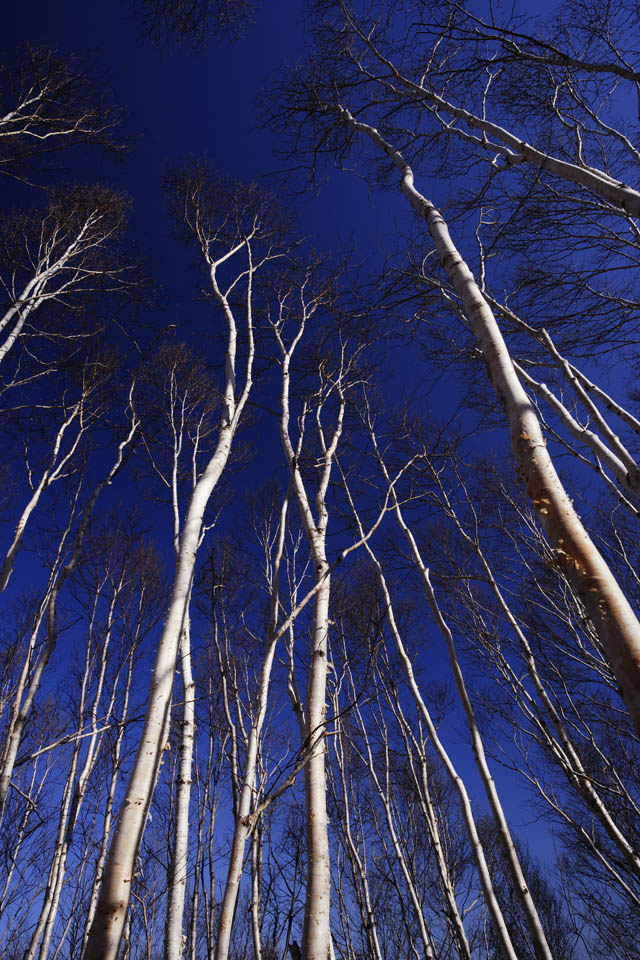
[
  {"x": 457, "y": 782},
  {"x": 22, "y": 701},
  {"x": 108, "y": 813},
  {"x": 107, "y": 928},
  {"x": 316, "y": 934},
  {"x": 256, "y": 891},
  {"x": 180, "y": 862},
  {"x": 316, "y": 937},
  {"x": 615, "y": 621},
  {"x": 519, "y": 882},
  {"x": 561, "y": 744},
  {"x": 22, "y": 707},
  {"x": 106, "y": 931},
  {"x": 242, "y": 826}
]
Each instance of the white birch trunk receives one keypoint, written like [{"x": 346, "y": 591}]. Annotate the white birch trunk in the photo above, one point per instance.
[
  {"x": 242, "y": 825},
  {"x": 178, "y": 881},
  {"x": 256, "y": 891},
  {"x": 316, "y": 933},
  {"x": 22, "y": 709},
  {"x": 65, "y": 267},
  {"x": 456, "y": 780},
  {"x": 107, "y": 928},
  {"x": 197, "y": 874},
  {"x": 519, "y": 883},
  {"x": 561, "y": 744},
  {"x": 316, "y": 937},
  {"x": 103, "y": 942},
  {"x": 609, "y": 610},
  {"x": 108, "y": 813}
]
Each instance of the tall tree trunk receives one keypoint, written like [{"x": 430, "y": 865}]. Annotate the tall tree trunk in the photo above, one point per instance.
[
  {"x": 107, "y": 928},
  {"x": 458, "y": 783},
  {"x": 316, "y": 933},
  {"x": 195, "y": 192},
  {"x": 50, "y": 603},
  {"x": 519, "y": 884},
  {"x": 609, "y": 610},
  {"x": 178, "y": 880},
  {"x": 247, "y": 789},
  {"x": 316, "y": 938},
  {"x": 108, "y": 813}
]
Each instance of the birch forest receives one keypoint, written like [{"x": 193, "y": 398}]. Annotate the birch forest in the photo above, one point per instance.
[{"x": 320, "y": 480}]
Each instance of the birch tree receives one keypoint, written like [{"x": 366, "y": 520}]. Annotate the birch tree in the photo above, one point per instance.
[
  {"x": 233, "y": 228},
  {"x": 58, "y": 260},
  {"x": 186, "y": 412},
  {"x": 48, "y": 104},
  {"x": 320, "y": 755},
  {"x": 339, "y": 123},
  {"x": 66, "y": 561},
  {"x": 245, "y": 786},
  {"x": 336, "y": 375},
  {"x": 119, "y": 615},
  {"x": 527, "y": 708}
]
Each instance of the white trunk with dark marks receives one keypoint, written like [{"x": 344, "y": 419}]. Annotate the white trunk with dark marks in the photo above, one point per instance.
[{"x": 609, "y": 610}]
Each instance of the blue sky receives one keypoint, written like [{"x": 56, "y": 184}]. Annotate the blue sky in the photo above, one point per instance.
[{"x": 178, "y": 103}]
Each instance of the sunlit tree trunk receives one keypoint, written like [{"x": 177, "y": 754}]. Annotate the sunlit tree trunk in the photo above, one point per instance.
[
  {"x": 316, "y": 933},
  {"x": 316, "y": 937},
  {"x": 244, "y": 805},
  {"x": 180, "y": 855},
  {"x": 29, "y": 685},
  {"x": 474, "y": 838},
  {"x": 256, "y": 890},
  {"x": 614, "y": 619},
  {"x": 520, "y": 885},
  {"x": 110, "y": 799},
  {"x": 106, "y": 931}
]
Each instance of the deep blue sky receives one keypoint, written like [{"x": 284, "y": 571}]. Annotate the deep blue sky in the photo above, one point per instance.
[{"x": 178, "y": 103}]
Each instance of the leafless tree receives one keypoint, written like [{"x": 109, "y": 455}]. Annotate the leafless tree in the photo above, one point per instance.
[
  {"x": 193, "y": 21},
  {"x": 325, "y": 110},
  {"x": 237, "y": 235},
  {"x": 48, "y": 104}
]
